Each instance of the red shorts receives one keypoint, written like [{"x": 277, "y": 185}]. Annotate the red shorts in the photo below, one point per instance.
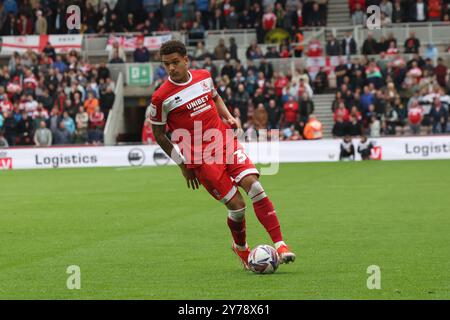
[{"x": 221, "y": 180}]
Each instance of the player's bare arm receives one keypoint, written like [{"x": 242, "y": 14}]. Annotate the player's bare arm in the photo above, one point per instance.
[{"x": 161, "y": 138}]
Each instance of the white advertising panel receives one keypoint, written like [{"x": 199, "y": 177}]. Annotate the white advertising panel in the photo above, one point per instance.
[{"x": 411, "y": 148}]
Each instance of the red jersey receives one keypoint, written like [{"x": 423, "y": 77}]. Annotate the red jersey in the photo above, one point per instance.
[
  {"x": 415, "y": 115},
  {"x": 269, "y": 21},
  {"x": 179, "y": 105},
  {"x": 290, "y": 111},
  {"x": 280, "y": 83},
  {"x": 147, "y": 134}
]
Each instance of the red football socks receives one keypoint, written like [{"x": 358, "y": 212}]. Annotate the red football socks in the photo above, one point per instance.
[
  {"x": 237, "y": 231},
  {"x": 265, "y": 213}
]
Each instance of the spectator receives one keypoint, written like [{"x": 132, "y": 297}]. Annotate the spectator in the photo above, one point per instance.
[
  {"x": 352, "y": 5},
  {"x": 96, "y": 125},
  {"x": 91, "y": 103},
  {"x": 418, "y": 11},
  {"x": 306, "y": 107},
  {"x": 69, "y": 124},
  {"x": 82, "y": 121},
  {"x": 304, "y": 87},
  {"x": 391, "y": 117},
  {"x": 260, "y": 118},
  {"x": 41, "y": 24},
  {"x": 269, "y": 20},
  {"x": 439, "y": 116},
  {"x": 233, "y": 49},
  {"x": 54, "y": 119},
  {"x": 315, "y": 17},
  {"x": 141, "y": 53},
  {"x": 290, "y": 115},
  {"x": 200, "y": 52},
  {"x": 241, "y": 99},
  {"x": 266, "y": 68},
  {"x": 441, "y": 72},
  {"x": 62, "y": 135},
  {"x": 370, "y": 45},
  {"x": 434, "y": 10},
  {"x": 10, "y": 26},
  {"x": 274, "y": 115},
  {"x": 107, "y": 101},
  {"x": 386, "y": 8},
  {"x": 348, "y": 45},
  {"x": 415, "y": 117},
  {"x": 364, "y": 148},
  {"x": 217, "y": 21},
  {"x": 341, "y": 112},
  {"x": 147, "y": 133},
  {"x": 412, "y": 44},
  {"x": 382, "y": 45},
  {"x": 50, "y": 51},
  {"x": 353, "y": 127},
  {"x": 332, "y": 47},
  {"x": 272, "y": 53},
  {"x": 25, "y": 129},
  {"x": 347, "y": 149},
  {"x": 232, "y": 19},
  {"x": 10, "y": 127},
  {"x": 43, "y": 136},
  {"x": 320, "y": 81},
  {"x": 220, "y": 51},
  {"x": 24, "y": 25},
  {"x": 116, "y": 58},
  {"x": 398, "y": 12},
  {"x": 431, "y": 52},
  {"x": 208, "y": 65},
  {"x": 313, "y": 128},
  {"x": 358, "y": 16},
  {"x": 339, "y": 127},
  {"x": 375, "y": 126}
]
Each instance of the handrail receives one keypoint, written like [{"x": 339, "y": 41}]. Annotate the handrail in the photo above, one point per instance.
[{"x": 115, "y": 122}]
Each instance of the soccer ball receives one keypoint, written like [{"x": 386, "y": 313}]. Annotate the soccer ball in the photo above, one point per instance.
[{"x": 263, "y": 259}]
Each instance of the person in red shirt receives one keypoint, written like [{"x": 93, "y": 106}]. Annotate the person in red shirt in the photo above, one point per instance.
[
  {"x": 290, "y": 115},
  {"x": 269, "y": 20},
  {"x": 441, "y": 73},
  {"x": 415, "y": 117},
  {"x": 188, "y": 103},
  {"x": 341, "y": 111},
  {"x": 281, "y": 81},
  {"x": 434, "y": 10},
  {"x": 352, "y": 5},
  {"x": 147, "y": 133}
]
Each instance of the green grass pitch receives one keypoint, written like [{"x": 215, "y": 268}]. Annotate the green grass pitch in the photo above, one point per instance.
[{"x": 139, "y": 233}]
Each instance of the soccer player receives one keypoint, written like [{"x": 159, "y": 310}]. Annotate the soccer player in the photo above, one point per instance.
[{"x": 187, "y": 102}]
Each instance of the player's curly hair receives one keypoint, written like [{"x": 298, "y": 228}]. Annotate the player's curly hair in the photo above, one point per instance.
[{"x": 173, "y": 46}]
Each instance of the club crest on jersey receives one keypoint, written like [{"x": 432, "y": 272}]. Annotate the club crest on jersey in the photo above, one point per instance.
[{"x": 205, "y": 86}]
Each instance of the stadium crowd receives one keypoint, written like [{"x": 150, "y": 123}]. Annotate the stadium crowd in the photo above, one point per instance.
[
  {"x": 384, "y": 97},
  {"x": 399, "y": 11},
  {"x": 387, "y": 96},
  {"x": 147, "y": 16},
  {"x": 48, "y": 99}
]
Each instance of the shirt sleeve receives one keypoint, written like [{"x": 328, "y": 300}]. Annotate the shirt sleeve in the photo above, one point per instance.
[{"x": 155, "y": 112}]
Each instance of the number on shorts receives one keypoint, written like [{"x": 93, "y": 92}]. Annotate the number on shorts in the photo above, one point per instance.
[{"x": 241, "y": 156}]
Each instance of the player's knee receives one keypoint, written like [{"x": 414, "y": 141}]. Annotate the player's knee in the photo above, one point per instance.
[
  {"x": 248, "y": 181},
  {"x": 256, "y": 191},
  {"x": 236, "y": 203}
]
